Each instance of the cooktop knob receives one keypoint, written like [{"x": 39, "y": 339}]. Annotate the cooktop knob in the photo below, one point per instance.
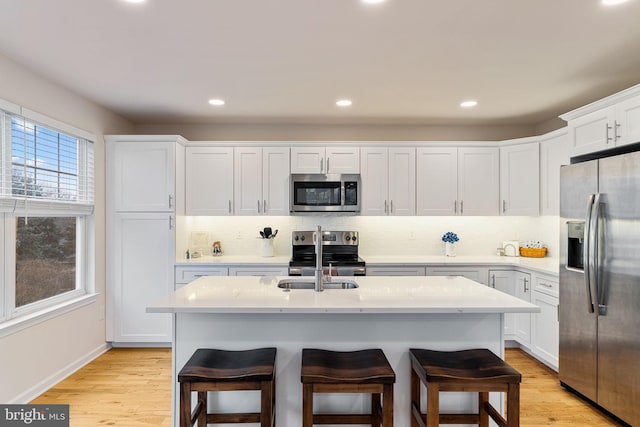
[
  {"x": 302, "y": 238},
  {"x": 353, "y": 238}
]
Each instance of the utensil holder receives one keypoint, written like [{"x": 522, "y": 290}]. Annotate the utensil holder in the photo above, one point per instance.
[{"x": 266, "y": 248}]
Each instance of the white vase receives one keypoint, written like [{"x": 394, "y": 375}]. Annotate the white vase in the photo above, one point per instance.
[
  {"x": 449, "y": 249},
  {"x": 266, "y": 248}
]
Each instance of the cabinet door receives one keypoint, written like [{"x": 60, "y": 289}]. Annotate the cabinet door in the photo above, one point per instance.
[
  {"x": 275, "y": 180},
  {"x": 592, "y": 132},
  {"x": 474, "y": 273},
  {"x": 140, "y": 272},
  {"x": 478, "y": 181},
  {"x": 143, "y": 177},
  {"x": 437, "y": 181},
  {"x": 209, "y": 181},
  {"x": 396, "y": 271},
  {"x": 628, "y": 121},
  {"x": 342, "y": 160},
  {"x": 402, "y": 181},
  {"x": 247, "y": 181},
  {"x": 188, "y": 274},
  {"x": 504, "y": 281},
  {"x": 523, "y": 320},
  {"x": 375, "y": 181},
  {"x": 520, "y": 179},
  {"x": 545, "y": 329},
  {"x": 308, "y": 160},
  {"x": 554, "y": 153}
]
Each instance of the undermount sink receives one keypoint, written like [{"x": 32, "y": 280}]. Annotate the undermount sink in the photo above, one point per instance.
[{"x": 288, "y": 284}]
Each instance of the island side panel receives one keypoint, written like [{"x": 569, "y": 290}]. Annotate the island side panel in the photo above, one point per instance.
[{"x": 394, "y": 333}]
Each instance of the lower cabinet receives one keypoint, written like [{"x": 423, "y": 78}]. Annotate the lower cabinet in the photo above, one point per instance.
[
  {"x": 396, "y": 271},
  {"x": 545, "y": 325},
  {"x": 139, "y": 272},
  {"x": 187, "y": 274},
  {"x": 504, "y": 281},
  {"x": 478, "y": 274},
  {"x": 523, "y": 320}
]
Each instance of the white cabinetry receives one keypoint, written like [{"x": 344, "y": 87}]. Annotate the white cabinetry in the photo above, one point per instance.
[
  {"x": 320, "y": 159},
  {"x": 545, "y": 326},
  {"x": 519, "y": 179},
  {"x": 259, "y": 271},
  {"x": 608, "y": 123},
  {"x": 393, "y": 270},
  {"x": 554, "y": 152},
  {"x": 145, "y": 178},
  {"x": 479, "y": 274},
  {"x": 523, "y": 320},
  {"x": 458, "y": 181},
  {"x": 388, "y": 181},
  {"x": 261, "y": 180},
  {"x": 504, "y": 281},
  {"x": 209, "y": 180},
  {"x": 186, "y": 274}
]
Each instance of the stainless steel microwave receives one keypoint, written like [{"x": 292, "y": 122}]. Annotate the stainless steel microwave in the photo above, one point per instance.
[{"x": 325, "y": 193}]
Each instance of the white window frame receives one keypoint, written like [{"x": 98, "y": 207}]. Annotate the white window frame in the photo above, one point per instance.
[{"x": 13, "y": 318}]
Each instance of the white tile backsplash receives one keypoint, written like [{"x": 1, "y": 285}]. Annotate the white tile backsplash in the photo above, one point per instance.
[{"x": 413, "y": 235}]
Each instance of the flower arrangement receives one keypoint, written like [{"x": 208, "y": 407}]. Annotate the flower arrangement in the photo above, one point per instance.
[{"x": 450, "y": 237}]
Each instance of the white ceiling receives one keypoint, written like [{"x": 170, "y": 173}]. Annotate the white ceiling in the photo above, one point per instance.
[{"x": 288, "y": 61}]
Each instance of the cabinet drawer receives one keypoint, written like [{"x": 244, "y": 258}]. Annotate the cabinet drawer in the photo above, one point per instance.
[
  {"x": 546, "y": 285},
  {"x": 188, "y": 274}
]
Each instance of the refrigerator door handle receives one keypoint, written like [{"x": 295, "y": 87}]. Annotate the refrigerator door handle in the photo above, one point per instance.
[
  {"x": 587, "y": 253},
  {"x": 597, "y": 291}
]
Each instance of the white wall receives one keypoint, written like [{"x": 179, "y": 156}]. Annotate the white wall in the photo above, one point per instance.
[
  {"x": 33, "y": 359},
  {"x": 414, "y": 235}
]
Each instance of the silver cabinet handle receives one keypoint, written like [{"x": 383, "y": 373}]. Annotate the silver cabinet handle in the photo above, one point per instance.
[
  {"x": 321, "y": 161},
  {"x": 504, "y": 206},
  {"x": 526, "y": 289},
  {"x": 493, "y": 281},
  {"x": 391, "y": 208},
  {"x": 385, "y": 207},
  {"x": 258, "y": 206},
  {"x": 616, "y": 127},
  {"x": 229, "y": 206},
  {"x": 264, "y": 206},
  {"x": 170, "y": 222},
  {"x": 607, "y": 132},
  {"x": 170, "y": 201},
  {"x": 328, "y": 158},
  {"x": 455, "y": 206},
  {"x": 461, "y": 207},
  {"x": 546, "y": 285}
]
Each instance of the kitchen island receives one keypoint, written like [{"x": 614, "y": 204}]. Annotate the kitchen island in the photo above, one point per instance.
[{"x": 391, "y": 313}]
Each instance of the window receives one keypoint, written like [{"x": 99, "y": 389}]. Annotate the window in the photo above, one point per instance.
[{"x": 46, "y": 207}]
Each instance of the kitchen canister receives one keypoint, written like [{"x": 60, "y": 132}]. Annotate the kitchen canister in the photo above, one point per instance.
[{"x": 266, "y": 247}]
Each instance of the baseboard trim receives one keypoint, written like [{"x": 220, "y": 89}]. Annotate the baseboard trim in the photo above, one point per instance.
[{"x": 58, "y": 376}]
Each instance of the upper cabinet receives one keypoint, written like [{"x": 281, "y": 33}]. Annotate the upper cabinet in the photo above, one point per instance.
[
  {"x": 554, "y": 152},
  {"x": 320, "y": 159},
  {"x": 608, "y": 123},
  {"x": 388, "y": 181},
  {"x": 209, "y": 180},
  {"x": 520, "y": 179},
  {"x": 146, "y": 171},
  {"x": 457, "y": 181},
  {"x": 261, "y": 180}
]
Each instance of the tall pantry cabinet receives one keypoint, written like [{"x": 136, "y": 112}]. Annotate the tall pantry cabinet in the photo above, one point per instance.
[{"x": 145, "y": 193}]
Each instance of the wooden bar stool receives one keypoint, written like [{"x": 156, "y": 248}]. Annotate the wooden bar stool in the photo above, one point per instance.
[
  {"x": 220, "y": 370},
  {"x": 364, "y": 371},
  {"x": 476, "y": 370}
]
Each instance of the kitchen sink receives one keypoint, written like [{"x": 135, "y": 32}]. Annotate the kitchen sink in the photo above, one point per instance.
[{"x": 288, "y": 284}]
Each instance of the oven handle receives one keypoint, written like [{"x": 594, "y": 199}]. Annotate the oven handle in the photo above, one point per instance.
[
  {"x": 293, "y": 271},
  {"x": 360, "y": 271}
]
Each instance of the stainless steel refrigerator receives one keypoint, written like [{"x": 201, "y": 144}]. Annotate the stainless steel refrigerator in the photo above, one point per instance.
[{"x": 599, "y": 309}]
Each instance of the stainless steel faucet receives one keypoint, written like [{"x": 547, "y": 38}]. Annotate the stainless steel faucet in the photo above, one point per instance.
[{"x": 319, "y": 274}]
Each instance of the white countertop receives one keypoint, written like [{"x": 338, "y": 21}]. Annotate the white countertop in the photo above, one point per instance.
[
  {"x": 249, "y": 294},
  {"x": 544, "y": 265}
]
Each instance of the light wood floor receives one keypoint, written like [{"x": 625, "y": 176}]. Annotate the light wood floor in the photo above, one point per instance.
[{"x": 132, "y": 388}]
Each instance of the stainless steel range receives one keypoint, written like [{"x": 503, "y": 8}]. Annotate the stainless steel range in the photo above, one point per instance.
[{"x": 339, "y": 251}]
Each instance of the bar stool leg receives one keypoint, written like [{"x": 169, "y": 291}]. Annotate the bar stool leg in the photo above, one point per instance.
[
  {"x": 513, "y": 405},
  {"x": 387, "y": 409},
  {"x": 415, "y": 396},
  {"x": 265, "y": 404},
  {"x": 307, "y": 405},
  {"x": 433, "y": 405},
  {"x": 483, "y": 398},
  {"x": 185, "y": 405},
  {"x": 376, "y": 415}
]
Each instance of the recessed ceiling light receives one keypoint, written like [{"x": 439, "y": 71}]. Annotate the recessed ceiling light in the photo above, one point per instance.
[
  {"x": 613, "y": 2},
  {"x": 468, "y": 104},
  {"x": 135, "y": 1},
  {"x": 216, "y": 102},
  {"x": 373, "y": 1},
  {"x": 344, "y": 102}
]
